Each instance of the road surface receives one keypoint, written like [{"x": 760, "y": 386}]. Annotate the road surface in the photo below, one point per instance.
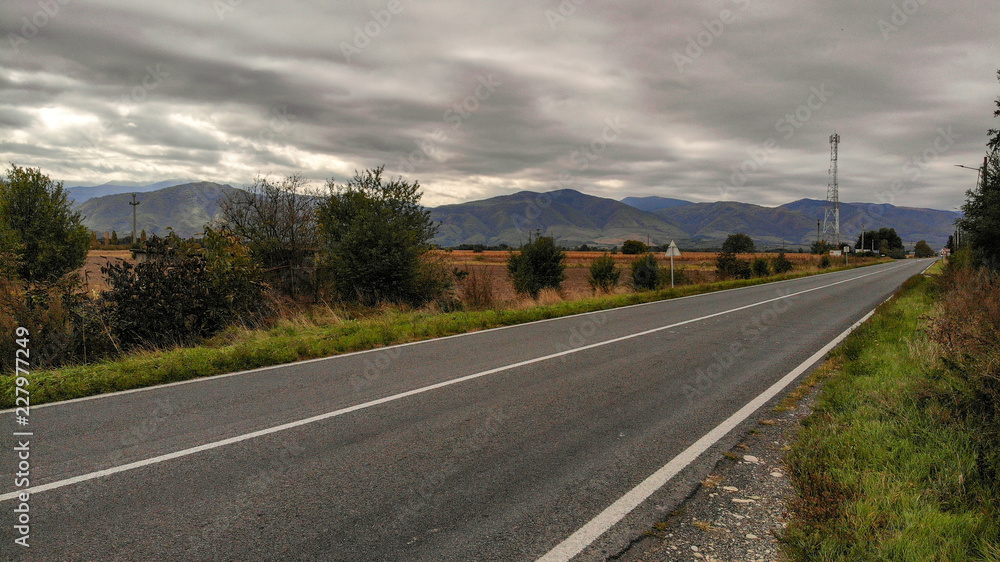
[{"x": 495, "y": 445}]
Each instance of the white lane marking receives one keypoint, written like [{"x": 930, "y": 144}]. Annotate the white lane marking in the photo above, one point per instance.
[
  {"x": 383, "y": 400},
  {"x": 617, "y": 511},
  {"x": 418, "y": 342}
]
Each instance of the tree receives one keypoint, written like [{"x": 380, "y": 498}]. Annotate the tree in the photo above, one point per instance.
[
  {"x": 875, "y": 238},
  {"x": 951, "y": 244},
  {"x": 980, "y": 222},
  {"x": 49, "y": 237},
  {"x": 375, "y": 235},
  {"x": 603, "y": 273},
  {"x": 739, "y": 243},
  {"x": 820, "y": 247},
  {"x": 277, "y": 223},
  {"x": 646, "y": 273},
  {"x": 633, "y": 247},
  {"x": 923, "y": 250},
  {"x": 761, "y": 268},
  {"x": 539, "y": 264},
  {"x": 114, "y": 238}
]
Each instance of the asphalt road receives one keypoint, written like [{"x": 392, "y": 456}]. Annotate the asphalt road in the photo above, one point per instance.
[{"x": 502, "y": 465}]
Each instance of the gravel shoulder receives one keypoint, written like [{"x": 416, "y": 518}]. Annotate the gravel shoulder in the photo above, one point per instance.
[{"x": 737, "y": 511}]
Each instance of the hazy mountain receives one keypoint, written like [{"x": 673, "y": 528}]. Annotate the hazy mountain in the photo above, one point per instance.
[
  {"x": 654, "y": 203},
  {"x": 912, "y": 224},
  {"x": 80, "y": 194},
  {"x": 707, "y": 224},
  {"x": 186, "y": 208},
  {"x": 571, "y": 217}
]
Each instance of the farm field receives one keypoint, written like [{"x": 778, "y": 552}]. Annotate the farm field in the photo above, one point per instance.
[
  {"x": 693, "y": 267},
  {"x": 90, "y": 273}
]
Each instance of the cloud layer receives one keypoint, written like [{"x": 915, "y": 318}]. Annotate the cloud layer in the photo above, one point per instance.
[{"x": 731, "y": 100}]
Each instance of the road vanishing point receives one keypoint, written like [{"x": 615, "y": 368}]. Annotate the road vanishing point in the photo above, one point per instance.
[{"x": 555, "y": 440}]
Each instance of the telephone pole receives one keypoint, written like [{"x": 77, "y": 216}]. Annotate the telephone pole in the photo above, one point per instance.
[{"x": 134, "y": 204}]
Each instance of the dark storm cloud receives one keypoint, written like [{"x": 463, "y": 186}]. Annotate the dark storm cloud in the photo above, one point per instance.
[{"x": 733, "y": 99}]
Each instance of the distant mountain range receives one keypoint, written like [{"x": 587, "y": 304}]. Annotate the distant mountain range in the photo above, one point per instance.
[
  {"x": 80, "y": 194},
  {"x": 571, "y": 217},
  {"x": 186, "y": 208}
]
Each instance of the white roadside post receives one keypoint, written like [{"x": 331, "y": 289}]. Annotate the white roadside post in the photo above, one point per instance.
[{"x": 672, "y": 251}]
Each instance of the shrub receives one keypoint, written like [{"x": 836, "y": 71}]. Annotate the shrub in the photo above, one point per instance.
[
  {"x": 603, "y": 274},
  {"x": 634, "y": 247},
  {"x": 177, "y": 298},
  {"x": 728, "y": 266},
  {"x": 761, "y": 268},
  {"x": 646, "y": 273},
  {"x": 538, "y": 265},
  {"x": 376, "y": 235},
  {"x": 824, "y": 262},
  {"x": 475, "y": 288},
  {"x": 780, "y": 264}
]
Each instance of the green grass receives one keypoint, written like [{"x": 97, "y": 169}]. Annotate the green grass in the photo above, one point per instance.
[
  {"x": 237, "y": 350},
  {"x": 885, "y": 466}
]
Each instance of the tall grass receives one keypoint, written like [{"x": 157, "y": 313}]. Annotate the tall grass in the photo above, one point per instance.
[{"x": 896, "y": 462}]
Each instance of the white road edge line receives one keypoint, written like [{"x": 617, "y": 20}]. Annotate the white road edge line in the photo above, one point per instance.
[
  {"x": 417, "y": 342},
  {"x": 383, "y": 400},
  {"x": 617, "y": 511}
]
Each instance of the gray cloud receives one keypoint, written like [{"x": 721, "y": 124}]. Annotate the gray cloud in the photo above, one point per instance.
[{"x": 715, "y": 100}]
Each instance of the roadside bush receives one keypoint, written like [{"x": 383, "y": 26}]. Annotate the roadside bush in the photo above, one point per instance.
[
  {"x": 538, "y": 265},
  {"x": 728, "y": 266},
  {"x": 739, "y": 243},
  {"x": 475, "y": 288},
  {"x": 377, "y": 235},
  {"x": 761, "y": 268},
  {"x": 780, "y": 264},
  {"x": 646, "y": 273},
  {"x": 176, "y": 297},
  {"x": 603, "y": 274},
  {"x": 824, "y": 262}
]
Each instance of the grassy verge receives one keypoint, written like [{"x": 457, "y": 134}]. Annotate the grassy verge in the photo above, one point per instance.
[
  {"x": 891, "y": 465},
  {"x": 237, "y": 350}
]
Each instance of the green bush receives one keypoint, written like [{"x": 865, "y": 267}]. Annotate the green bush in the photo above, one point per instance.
[
  {"x": 646, "y": 273},
  {"x": 923, "y": 250},
  {"x": 780, "y": 264},
  {"x": 178, "y": 297},
  {"x": 728, "y": 266},
  {"x": 538, "y": 264},
  {"x": 824, "y": 262},
  {"x": 376, "y": 235},
  {"x": 634, "y": 247},
  {"x": 761, "y": 268},
  {"x": 603, "y": 273}
]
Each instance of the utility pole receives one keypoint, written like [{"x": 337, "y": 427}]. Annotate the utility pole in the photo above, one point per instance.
[
  {"x": 134, "y": 204},
  {"x": 818, "y": 247},
  {"x": 862, "y": 237}
]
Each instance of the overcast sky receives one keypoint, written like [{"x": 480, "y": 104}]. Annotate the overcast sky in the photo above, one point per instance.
[{"x": 705, "y": 101}]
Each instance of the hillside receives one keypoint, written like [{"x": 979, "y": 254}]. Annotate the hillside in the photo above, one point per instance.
[
  {"x": 653, "y": 203},
  {"x": 80, "y": 194},
  {"x": 911, "y": 223},
  {"x": 571, "y": 217},
  {"x": 707, "y": 224},
  {"x": 186, "y": 208}
]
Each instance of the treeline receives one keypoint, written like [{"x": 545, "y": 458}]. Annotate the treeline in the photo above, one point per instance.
[{"x": 361, "y": 243}]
